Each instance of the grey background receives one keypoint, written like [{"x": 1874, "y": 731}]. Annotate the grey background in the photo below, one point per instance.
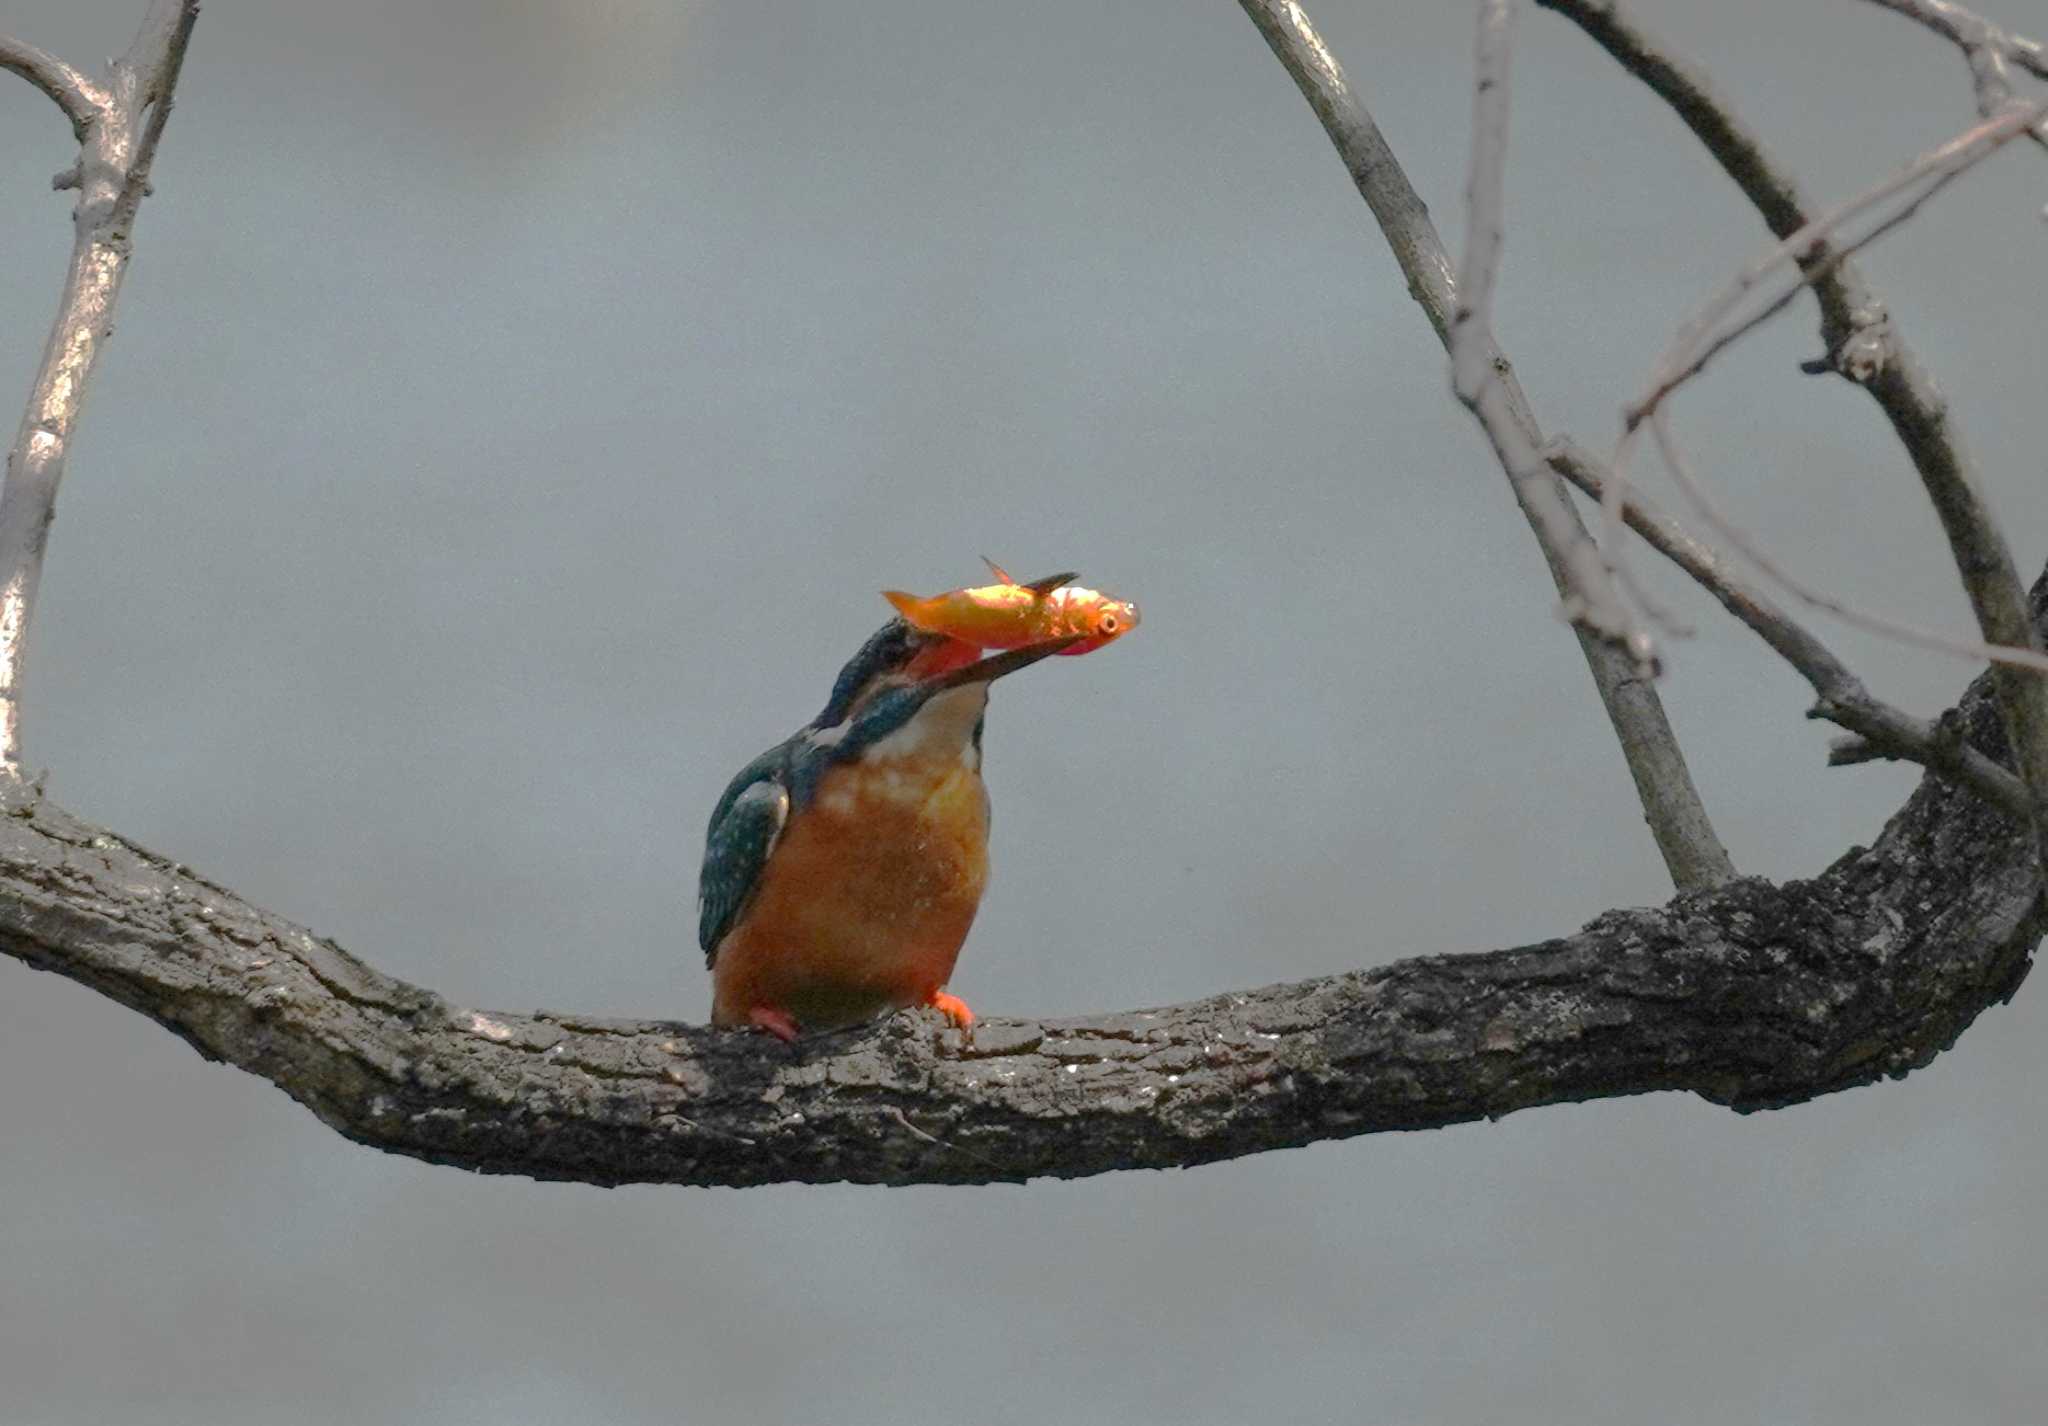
[{"x": 514, "y": 410}]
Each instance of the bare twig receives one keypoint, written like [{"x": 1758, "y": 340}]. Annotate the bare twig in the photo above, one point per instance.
[
  {"x": 1728, "y": 529},
  {"x": 1865, "y": 346},
  {"x": 1485, "y": 201},
  {"x": 1671, "y": 802},
  {"x": 81, "y": 100},
  {"x": 1590, "y": 596},
  {"x": 1882, "y": 730},
  {"x": 1704, "y": 335},
  {"x": 1972, "y": 32},
  {"x": 119, "y": 125},
  {"x": 1988, "y": 49}
]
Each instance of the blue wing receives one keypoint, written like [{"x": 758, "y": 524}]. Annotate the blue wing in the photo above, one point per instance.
[{"x": 742, "y": 833}]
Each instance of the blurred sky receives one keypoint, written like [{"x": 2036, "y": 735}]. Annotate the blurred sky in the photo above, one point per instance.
[{"x": 514, "y": 410}]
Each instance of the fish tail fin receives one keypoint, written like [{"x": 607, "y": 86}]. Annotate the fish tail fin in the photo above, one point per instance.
[{"x": 1002, "y": 575}]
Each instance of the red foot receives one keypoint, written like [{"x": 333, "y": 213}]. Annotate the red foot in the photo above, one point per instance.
[
  {"x": 953, "y": 1008},
  {"x": 779, "y": 1023}
]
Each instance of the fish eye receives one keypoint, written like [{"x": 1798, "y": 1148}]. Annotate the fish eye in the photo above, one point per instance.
[{"x": 1107, "y": 624}]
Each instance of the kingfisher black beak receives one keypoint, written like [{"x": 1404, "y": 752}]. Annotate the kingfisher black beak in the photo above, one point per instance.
[{"x": 997, "y": 665}]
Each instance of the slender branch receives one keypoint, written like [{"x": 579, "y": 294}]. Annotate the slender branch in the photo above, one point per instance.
[
  {"x": 1973, "y": 32},
  {"x": 1727, "y": 528},
  {"x": 1707, "y": 333},
  {"x": 1591, "y": 598},
  {"x": 151, "y": 69},
  {"x": 1881, "y": 730},
  {"x": 1989, "y": 51},
  {"x": 1671, "y": 802},
  {"x": 117, "y": 146},
  {"x": 81, "y": 100},
  {"x": 1485, "y": 201},
  {"x": 1866, "y": 347}
]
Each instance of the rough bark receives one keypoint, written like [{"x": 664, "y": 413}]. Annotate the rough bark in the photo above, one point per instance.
[{"x": 1752, "y": 995}]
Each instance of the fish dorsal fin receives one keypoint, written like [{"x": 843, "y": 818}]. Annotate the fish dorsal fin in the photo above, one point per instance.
[
  {"x": 1051, "y": 582},
  {"x": 1041, "y": 587}
]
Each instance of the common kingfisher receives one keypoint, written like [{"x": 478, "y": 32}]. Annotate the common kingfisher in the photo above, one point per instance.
[{"x": 843, "y": 867}]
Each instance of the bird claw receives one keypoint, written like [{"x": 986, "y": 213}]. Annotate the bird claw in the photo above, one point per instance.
[
  {"x": 779, "y": 1023},
  {"x": 955, "y": 1010}
]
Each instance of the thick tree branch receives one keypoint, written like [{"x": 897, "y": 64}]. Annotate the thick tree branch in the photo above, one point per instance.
[
  {"x": 1867, "y": 348},
  {"x": 1671, "y": 802},
  {"x": 118, "y": 134},
  {"x": 1750, "y": 995}
]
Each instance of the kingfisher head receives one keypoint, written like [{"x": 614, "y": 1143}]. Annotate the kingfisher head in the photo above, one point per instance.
[
  {"x": 894, "y": 655},
  {"x": 889, "y": 655},
  {"x": 908, "y": 691}
]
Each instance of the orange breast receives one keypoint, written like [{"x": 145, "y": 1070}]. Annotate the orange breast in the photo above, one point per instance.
[{"x": 867, "y": 898}]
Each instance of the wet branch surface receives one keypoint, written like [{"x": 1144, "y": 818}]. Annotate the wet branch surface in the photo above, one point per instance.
[{"x": 1752, "y": 995}]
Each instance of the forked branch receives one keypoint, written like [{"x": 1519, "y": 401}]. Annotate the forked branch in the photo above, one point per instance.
[
  {"x": 1592, "y": 596},
  {"x": 1671, "y": 802},
  {"x": 1867, "y": 348},
  {"x": 81, "y": 100},
  {"x": 1991, "y": 51},
  {"x": 118, "y": 121},
  {"x": 1880, "y": 730}
]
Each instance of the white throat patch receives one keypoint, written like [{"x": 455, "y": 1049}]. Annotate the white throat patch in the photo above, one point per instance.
[{"x": 944, "y": 726}]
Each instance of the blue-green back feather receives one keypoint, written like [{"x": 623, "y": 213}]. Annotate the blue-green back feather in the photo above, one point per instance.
[
  {"x": 744, "y": 826},
  {"x": 761, "y": 798}
]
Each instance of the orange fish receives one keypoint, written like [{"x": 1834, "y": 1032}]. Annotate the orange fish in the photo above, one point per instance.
[{"x": 1009, "y": 615}]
